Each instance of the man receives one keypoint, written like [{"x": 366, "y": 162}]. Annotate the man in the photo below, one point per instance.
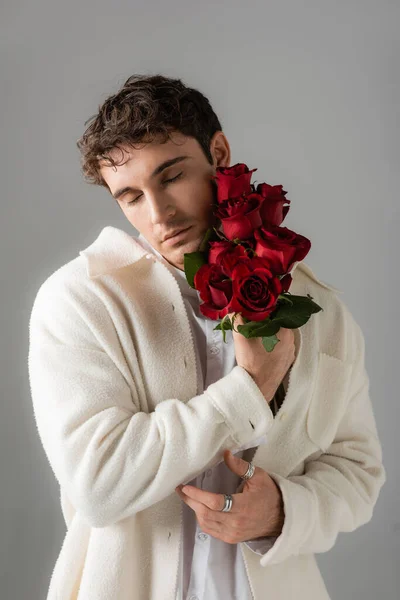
[{"x": 135, "y": 393}]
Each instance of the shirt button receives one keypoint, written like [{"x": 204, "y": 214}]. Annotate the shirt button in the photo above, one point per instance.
[
  {"x": 208, "y": 473},
  {"x": 202, "y": 536}
]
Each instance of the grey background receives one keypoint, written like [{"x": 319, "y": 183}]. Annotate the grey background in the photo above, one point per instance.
[{"x": 307, "y": 92}]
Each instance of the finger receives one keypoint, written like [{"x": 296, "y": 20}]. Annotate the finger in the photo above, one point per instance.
[
  {"x": 217, "y": 522},
  {"x": 203, "y": 512},
  {"x": 239, "y": 465},
  {"x": 197, "y": 506},
  {"x": 214, "y": 526},
  {"x": 215, "y": 502},
  {"x": 231, "y": 315},
  {"x": 236, "y": 319}
]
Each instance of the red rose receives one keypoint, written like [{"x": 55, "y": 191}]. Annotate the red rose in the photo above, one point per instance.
[
  {"x": 286, "y": 282},
  {"x": 215, "y": 289},
  {"x": 215, "y": 249},
  {"x": 233, "y": 181},
  {"x": 272, "y": 211},
  {"x": 255, "y": 289},
  {"x": 240, "y": 216},
  {"x": 227, "y": 254},
  {"x": 281, "y": 247}
]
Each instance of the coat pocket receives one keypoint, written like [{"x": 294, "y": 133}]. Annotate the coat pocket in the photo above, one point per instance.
[{"x": 329, "y": 399}]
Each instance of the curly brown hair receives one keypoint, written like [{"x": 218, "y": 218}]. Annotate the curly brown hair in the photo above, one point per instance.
[{"x": 145, "y": 107}]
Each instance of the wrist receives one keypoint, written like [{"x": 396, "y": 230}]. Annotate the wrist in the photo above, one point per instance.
[
  {"x": 276, "y": 517},
  {"x": 279, "y": 515},
  {"x": 267, "y": 388}
]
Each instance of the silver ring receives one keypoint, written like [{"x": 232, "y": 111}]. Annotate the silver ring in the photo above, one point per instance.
[
  {"x": 228, "y": 503},
  {"x": 250, "y": 471}
]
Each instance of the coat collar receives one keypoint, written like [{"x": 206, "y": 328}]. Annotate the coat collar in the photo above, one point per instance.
[{"x": 114, "y": 249}]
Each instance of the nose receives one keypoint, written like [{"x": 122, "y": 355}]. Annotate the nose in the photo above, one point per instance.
[{"x": 160, "y": 209}]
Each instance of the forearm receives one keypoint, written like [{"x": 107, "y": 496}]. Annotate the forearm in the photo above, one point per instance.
[{"x": 114, "y": 462}]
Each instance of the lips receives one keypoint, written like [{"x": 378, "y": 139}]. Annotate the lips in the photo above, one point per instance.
[{"x": 170, "y": 235}]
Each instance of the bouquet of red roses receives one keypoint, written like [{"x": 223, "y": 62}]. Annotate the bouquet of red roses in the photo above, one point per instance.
[{"x": 243, "y": 265}]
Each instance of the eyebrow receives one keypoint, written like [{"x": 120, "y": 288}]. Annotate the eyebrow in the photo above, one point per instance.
[{"x": 164, "y": 165}]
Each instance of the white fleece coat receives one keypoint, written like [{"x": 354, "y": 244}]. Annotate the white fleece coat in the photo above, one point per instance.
[{"x": 113, "y": 381}]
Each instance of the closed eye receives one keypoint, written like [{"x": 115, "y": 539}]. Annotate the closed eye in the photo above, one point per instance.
[{"x": 166, "y": 181}]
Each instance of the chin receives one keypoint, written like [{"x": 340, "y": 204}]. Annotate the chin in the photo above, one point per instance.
[
  {"x": 188, "y": 245},
  {"x": 177, "y": 253}
]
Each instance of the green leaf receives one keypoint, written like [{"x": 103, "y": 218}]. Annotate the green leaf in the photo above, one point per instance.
[
  {"x": 224, "y": 326},
  {"x": 290, "y": 313},
  {"x": 297, "y": 314},
  {"x": 285, "y": 298},
  {"x": 218, "y": 235},
  {"x": 206, "y": 239},
  {"x": 269, "y": 342},
  {"x": 192, "y": 261},
  {"x": 258, "y": 328}
]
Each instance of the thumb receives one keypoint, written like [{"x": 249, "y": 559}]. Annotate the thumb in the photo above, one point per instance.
[
  {"x": 238, "y": 320},
  {"x": 236, "y": 465}
]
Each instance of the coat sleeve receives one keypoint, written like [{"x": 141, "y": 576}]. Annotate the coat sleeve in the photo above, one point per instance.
[
  {"x": 261, "y": 545},
  {"x": 111, "y": 458},
  {"x": 339, "y": 489}
]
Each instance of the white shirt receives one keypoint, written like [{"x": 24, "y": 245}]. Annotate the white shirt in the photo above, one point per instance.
[{"x": 210, "y": 569}]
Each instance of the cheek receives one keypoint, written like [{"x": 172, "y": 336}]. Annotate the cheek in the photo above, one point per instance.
[
  {"x": 138, "y": 219},
  {"x": 197, "y": 199}
]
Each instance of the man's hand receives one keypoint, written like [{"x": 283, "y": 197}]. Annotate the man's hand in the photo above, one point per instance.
[
  {"x": 257, "y": 511},
  {"x": 268, "y": 369}
]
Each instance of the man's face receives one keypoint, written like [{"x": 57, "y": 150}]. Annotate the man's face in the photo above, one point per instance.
[{"x": 157, "y": 207}]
